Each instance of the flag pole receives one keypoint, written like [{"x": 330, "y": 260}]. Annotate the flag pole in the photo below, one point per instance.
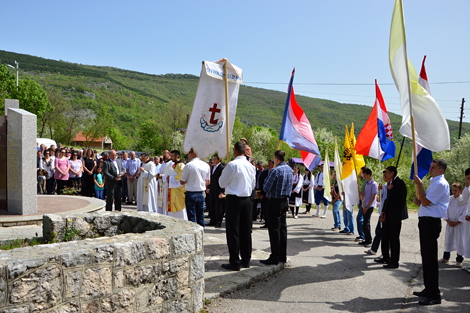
[
  {"x": 354, "y": 162},
  {"x": 378, "y": 142},
  {"x": 413, "y": 137},
  {"x": 279, "y": 144},
  {"x": 339, "y": 168},
  {"x": 227, "y": 120},
  {"x": 399, "y": 154}
]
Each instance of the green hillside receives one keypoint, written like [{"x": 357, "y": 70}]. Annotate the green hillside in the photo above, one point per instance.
[{"x": 134, "y": 98}]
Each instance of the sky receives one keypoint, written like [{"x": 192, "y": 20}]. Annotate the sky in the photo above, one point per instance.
[{"x": 338, "y": 47}]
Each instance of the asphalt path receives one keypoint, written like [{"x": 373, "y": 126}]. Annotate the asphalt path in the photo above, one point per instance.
[{"x": 330, "y": 272}]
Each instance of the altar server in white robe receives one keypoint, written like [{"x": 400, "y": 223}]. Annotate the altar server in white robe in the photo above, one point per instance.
[
  {"x": 455, "y": 217},
  {"x": 162, "y": 192},
  {"x": 147, "y": 186}
]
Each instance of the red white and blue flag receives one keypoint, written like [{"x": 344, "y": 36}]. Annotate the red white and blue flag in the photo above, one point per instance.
[
  {"x": 424, "y": 156},
  {"x": 376, "y": 137},
  {"x": 297, "y": 132}
]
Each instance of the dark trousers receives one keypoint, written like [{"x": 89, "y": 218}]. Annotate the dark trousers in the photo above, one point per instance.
[
  {"x": 377, "y": 237},
  {"x": 366, "y": 225},
  {"x": 195, "y": 204},
  {"x": 212, "y": 207},
  {"x": 277, "y": 228},
  {"x": 219, "y": 210},
  {"x": 88, "y": 185},
  {"x": 113, "y": 192},
  {"x": 264, "y": 206},
  {"x": 391, "y": 241},
  {"x": 49, "y": 184},
  {"x": 429, "y": 230},
  {"x": 60, "y": 185},
  {"x": 124, "y": 190},
  {"x": 238, "y": 222}
]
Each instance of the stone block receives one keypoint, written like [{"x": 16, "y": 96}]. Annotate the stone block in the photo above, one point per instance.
[
  {"x": 141, "y": 274},
  {"x": 3, "y": 285},
  {"x": 20, "y": 309},
  {"x": 165, "y": 289},
  {"x": 119, "y": 280},
  {"x": 11, "y": 104},
  {"x": 72, "y": 307},
  {"x": 72, "y": 284},
  {"x": 158, "y": 248},
  {"x": 199, "y": 241},
  {"x": 141, "y": 298},
  {"x": 53, "y": 227},
  {"x": 176, "y": 306},
  {"x": 197, "y": 268},
  {"x": 183, "y": 244},
  {"x": 119, "y": 302},
  {"x": 129, "y": 253},
  {"x": 17, "y": 267},
  {"x": 76, "y": 257},
  {"x": 97, "y": 282},
  {"x": 21, "y": 162},
  {"x": 198, "y": 296},
  {"x": 103, "y": 254},
  {"x": 42, "y": 288},
  {"x": 91, "y": 307}
]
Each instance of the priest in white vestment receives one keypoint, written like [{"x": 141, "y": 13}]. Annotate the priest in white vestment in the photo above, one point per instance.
[
  {"x": 147, "y": 186},
  {"x": 162, "y": 192}
]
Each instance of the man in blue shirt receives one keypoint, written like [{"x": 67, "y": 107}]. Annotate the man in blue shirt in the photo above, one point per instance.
[
  {"x": 278, "y": 187},
  {"x": 369, "y": 204},
  {"x": 432, "y": 207}
]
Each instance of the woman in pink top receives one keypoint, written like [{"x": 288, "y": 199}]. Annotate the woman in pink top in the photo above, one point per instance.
[{"x": 61, "y": 174}]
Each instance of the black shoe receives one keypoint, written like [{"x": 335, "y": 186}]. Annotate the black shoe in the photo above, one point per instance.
[
  {"x": 218, "y": 225},
  {"x": 420, "y": 293},
  {"x": 383, "y": 261},
  {"x": 362, "y": 243},
  {"x": 264, "y": 226},
  {"x": 245, "y": 264},
  {"x": 129, "y": 202},
  {"x": 390, "y": 265},
  {"x": 231, "y": 267},
  {"x": 344, "y": 231},
  {"x": 429, "y": 301},
  {"x": 269, "y": 262}
]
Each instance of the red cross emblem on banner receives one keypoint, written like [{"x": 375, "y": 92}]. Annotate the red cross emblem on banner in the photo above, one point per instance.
[{"x": 214, "y": 110}]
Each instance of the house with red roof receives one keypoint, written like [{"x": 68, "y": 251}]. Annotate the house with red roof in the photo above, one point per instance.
[{"x": 101, "y": 142}]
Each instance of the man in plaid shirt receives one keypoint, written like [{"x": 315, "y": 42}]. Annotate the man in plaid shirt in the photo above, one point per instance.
[{"x": 278, "y": 187}]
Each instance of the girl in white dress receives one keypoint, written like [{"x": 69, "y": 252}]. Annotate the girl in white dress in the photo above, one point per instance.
[{"x": 307, "y": 191}]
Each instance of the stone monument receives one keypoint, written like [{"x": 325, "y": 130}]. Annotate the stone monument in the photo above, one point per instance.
[{"x": 21, "y": 161}]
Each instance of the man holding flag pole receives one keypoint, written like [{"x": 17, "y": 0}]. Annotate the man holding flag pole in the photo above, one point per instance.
[{"x": 430, "y": 131}]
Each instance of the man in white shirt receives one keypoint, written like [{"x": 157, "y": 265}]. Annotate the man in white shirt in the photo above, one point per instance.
[
  {"x": 195, "y": 177},
  {"x": 238, "y": 179},
  {"x": 432, "y": 207}
]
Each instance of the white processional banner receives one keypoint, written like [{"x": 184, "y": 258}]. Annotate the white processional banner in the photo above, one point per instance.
[{"x": 206, "y": 132}]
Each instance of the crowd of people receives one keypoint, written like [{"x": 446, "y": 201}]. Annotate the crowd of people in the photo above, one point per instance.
[{"x": 244, "y": 191}]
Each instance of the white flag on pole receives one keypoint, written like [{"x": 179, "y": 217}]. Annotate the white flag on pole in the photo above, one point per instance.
[{"x": 206, "y": 132}]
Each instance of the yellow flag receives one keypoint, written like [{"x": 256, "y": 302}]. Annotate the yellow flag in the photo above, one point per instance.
[
  {"x": 348, "y": 165},
  {"x": 348, "y": 176},
  {"x": 358, "y": 158}
]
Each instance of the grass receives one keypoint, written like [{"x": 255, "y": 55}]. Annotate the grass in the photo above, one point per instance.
[{"x": 20, "y": 243}]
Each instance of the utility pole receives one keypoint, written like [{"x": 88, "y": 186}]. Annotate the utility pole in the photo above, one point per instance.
[{"x": 461, "y": 117}]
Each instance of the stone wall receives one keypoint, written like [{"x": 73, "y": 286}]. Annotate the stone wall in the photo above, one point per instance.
[{"x": 154, "y": 264}]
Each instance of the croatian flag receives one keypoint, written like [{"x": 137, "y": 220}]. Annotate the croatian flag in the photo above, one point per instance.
[
  {"x": 376, "y": 137},
  {"x": 424, "y": 156},
  {"x": 297, "y": 132}
]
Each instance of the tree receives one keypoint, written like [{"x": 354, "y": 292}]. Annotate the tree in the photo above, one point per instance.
[
  {"x": 97, "y": 126},
  {"x": 59, "y": 106},
  {"x": 30, "y": 94}
]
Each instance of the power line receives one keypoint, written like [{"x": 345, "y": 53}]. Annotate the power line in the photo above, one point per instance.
[{"x": 351, "y": 84}]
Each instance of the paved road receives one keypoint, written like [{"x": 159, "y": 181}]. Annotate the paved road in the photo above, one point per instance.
[{"x": 331, "y": 273}]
